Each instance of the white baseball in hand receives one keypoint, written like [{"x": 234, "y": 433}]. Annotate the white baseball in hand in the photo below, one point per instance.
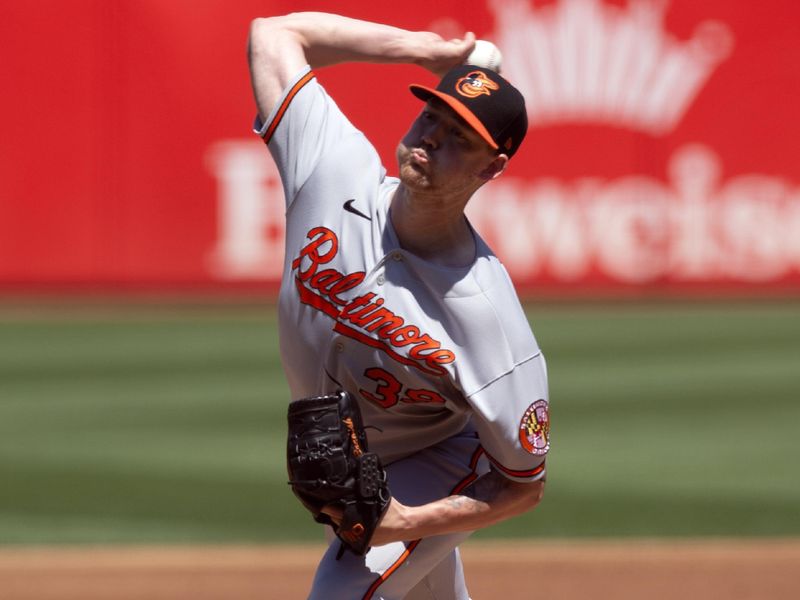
[{"x": 486, "y": 55}]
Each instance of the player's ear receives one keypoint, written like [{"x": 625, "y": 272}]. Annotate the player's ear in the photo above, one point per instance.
[{"x": 495, "y": 168}]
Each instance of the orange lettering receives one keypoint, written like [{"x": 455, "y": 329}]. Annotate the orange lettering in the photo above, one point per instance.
[
  {"x": 384, "y": 320},
  {"x": 404, "y": 336},
  {"x": 319, "y": 236},
  {"x": 321, "y": 289}
]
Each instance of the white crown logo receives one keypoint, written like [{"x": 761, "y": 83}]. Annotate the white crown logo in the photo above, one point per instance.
[{"x": 586, "y": 61}]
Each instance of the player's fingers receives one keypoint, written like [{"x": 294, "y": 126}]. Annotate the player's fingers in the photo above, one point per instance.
[
  {"x": 464, "y": 45},
  {"x": 446, "y": 54}
]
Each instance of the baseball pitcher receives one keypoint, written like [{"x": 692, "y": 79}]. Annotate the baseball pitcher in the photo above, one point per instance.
[{"x": 419, "y": 405}]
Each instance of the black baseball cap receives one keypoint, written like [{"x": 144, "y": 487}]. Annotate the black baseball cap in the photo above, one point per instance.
[{"x": 486, "y": 101}]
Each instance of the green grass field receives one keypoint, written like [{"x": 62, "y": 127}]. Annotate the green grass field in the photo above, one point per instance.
[{"x": 145, "y": 423}]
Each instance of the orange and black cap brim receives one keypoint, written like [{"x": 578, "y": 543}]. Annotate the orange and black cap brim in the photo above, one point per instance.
[
  {"x": 425, "y": 93},
  {"x": 486, "y": 101}
]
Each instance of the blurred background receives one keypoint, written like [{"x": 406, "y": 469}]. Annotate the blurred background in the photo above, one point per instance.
[{"x": 651, "y": 223}]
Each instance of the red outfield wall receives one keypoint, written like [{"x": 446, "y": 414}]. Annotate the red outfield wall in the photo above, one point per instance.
[{"x": 663, "y": 151}]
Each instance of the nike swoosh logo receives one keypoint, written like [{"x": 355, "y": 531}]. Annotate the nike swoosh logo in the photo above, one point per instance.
[{"x": 348, "y": 206}]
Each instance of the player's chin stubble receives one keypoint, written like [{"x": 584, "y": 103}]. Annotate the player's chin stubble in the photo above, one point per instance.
[{"x": 412, "y": 175}]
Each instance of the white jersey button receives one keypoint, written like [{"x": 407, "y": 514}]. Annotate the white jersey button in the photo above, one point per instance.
[
  {"x": 339, "y": 347},
  {"x": 381, "y": 279}
]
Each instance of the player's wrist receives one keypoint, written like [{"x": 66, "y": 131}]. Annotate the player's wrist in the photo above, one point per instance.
[
  {"x": 426, "y": 520},
  {"x": 406, "y": 523}
]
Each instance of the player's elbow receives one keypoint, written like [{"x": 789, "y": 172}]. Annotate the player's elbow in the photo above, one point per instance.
[
  {"x": 534, "y": 494},
  {"x": 277, "y": 40},
  {"x": 523, "y": 497},
  {"x": 261, "y": 30},
  {"x": 265, "y": 29}
]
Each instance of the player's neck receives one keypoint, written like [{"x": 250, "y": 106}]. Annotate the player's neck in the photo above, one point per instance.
[{"x": 433, "y": 228}]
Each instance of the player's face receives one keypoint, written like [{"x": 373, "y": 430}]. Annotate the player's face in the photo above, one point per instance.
[{"x": 441, "y": 153}]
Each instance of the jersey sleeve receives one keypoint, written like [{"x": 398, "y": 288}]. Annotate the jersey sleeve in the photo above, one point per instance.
[
  {"x": 512, "y": 417},
  {"x": 304, "y": 125}
]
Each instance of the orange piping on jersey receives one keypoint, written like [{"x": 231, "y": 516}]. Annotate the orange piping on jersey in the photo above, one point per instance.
[
  {"x": 388, "y": 572},
  {"x": 529, "y": 473},
  {"x": 285, "y": 105},
  {"x": 473, "y": 464}
]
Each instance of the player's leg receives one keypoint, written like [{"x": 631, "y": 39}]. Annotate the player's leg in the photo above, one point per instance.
[
  {"x": 390, "y": 572},
  {"x": 446, "y": 581}
]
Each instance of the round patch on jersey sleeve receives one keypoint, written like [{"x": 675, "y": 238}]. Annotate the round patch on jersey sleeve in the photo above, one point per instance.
[{"x": 534, "y": 429}]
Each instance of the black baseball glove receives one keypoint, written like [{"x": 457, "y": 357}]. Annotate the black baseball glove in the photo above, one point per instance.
[{"x": 329, "y": 465}]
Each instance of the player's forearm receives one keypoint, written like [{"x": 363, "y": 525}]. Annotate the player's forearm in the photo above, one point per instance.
[
  {"x": 279, "y": 47},
  {"x": 329, "y": 39},
  {"x": 491, "y": 499}
]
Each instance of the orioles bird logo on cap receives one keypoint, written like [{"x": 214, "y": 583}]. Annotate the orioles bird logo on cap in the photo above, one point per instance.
[{"x": 474, "y": 84}]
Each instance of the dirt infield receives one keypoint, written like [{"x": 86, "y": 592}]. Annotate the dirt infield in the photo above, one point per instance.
[{"x": 691, "y": 570}]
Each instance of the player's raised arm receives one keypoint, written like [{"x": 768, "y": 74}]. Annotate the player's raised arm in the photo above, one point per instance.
[{"x": 278, "y": 47}]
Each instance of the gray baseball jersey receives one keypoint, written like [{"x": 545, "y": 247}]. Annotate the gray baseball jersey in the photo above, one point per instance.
[{"x": 429, "y": 351}]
